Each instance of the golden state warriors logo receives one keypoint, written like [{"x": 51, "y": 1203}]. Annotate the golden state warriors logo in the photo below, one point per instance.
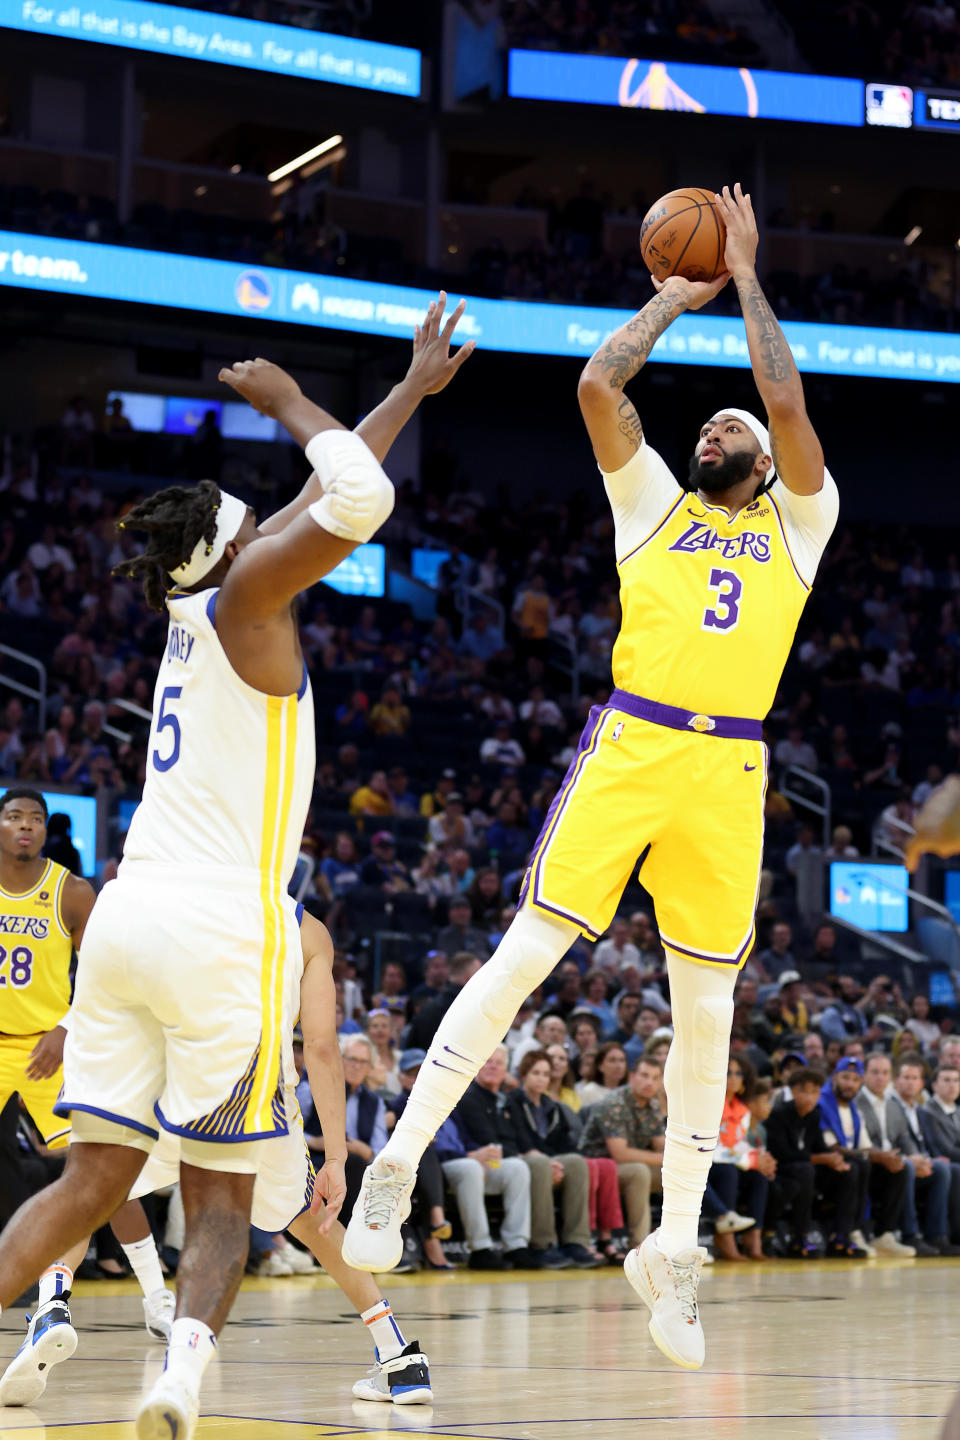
[
  {"x": 701, "y": 723},
  {"x": 253, "y": 291}
]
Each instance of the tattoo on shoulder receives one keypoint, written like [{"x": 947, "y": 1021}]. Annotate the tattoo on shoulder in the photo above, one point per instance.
[
  {"x": 628, "y": 421},
  {"x": 775, "y": 354}
]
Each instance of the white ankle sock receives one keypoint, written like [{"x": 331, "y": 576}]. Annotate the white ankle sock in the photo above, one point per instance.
[
  {"x": 474, "y": 1025},
  {"x": 192, "y": 1346},
  {"x": 55, "y": 1282},
  {"x": 384, "y": 1330},
  {"x": 145, "y": 1264}
]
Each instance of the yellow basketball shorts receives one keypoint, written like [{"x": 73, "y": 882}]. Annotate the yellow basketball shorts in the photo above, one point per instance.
[
  {"x": 693, "y": 801},
  {"x": 39, "y": 1096}
]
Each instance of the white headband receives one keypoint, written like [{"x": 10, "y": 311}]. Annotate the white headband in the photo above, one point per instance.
[
  {"x": 760, "y": 432},
  {"x": 231, "y": 514}
]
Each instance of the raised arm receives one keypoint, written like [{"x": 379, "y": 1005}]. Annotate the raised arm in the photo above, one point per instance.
[
  {"x": 611, "y": 420},
  {"x": 797, "y": 453},
  {"x": 431, "y": 370}
]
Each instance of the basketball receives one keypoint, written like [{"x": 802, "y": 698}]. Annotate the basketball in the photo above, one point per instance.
[{"x": 684, "y": 234}]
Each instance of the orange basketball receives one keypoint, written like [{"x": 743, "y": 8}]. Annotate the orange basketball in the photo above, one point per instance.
[{"x": 684, "y": 234}]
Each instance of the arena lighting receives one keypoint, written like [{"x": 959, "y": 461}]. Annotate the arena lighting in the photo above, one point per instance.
[
  {"x": 306, "y": 157},
  {"x": 331, "y": 158},
  {"x": 912, "y": 234}
]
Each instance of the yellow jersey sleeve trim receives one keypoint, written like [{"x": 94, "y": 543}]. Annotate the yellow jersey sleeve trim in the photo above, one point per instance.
[{"x": 17, "y": 896}]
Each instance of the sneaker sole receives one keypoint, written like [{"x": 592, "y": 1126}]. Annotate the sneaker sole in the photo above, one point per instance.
[
  {"x": 164, "y": 1420},
  {"x": 422, "y": 1395},
  {"x": 379, "y": 1266},
  {"x": 23, "y": 1388},
  {"x": 634, "y": 1273}
]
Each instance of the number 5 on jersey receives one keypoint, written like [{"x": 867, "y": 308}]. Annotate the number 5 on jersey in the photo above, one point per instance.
[
  {"x": 725, "y": 612},
  {"x": 167, "y": 720}
]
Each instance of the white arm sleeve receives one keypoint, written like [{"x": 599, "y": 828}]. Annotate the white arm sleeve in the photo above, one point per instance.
[
  {"x": 640, "y": 494},
  {"x": 809, "y": 521}
]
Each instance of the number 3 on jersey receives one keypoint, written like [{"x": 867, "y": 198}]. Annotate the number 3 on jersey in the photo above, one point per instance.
[
  {"x": 725, "y": 613},
  {"x": 166, "y": 720}
]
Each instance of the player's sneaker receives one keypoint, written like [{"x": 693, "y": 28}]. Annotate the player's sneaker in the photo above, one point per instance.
[
  {"x": 50, "y": 1338},
  {"x": 169, "y": 1411},
  {"x": 158, "y": 1311},
  {"x": 404, "y": 1380},
  {"x": 668, "y": 1288},
  {"x": 373, "y": 1240}
]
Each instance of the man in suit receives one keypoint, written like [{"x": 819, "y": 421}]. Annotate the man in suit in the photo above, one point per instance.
[
  {"x": 888, "y": 1127},
  {"x": 940, "y": 1123}
]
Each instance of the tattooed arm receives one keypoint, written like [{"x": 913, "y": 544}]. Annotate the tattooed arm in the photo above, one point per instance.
[
  {"x": 611, "y": 420},
  {"x": 796, "y": 450}
]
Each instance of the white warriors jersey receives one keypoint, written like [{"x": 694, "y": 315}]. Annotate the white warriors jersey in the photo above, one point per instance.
[{"x": 230, "y": 770}]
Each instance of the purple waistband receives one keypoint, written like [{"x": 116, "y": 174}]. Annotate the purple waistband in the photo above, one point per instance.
[{"x": 725, "y": 727}]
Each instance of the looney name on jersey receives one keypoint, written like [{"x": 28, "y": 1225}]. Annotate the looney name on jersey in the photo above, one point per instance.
[
  {"x": 179, "y": 643},
  {"x": 700, "y": 536},
  {"x": 33, "y": 925}
]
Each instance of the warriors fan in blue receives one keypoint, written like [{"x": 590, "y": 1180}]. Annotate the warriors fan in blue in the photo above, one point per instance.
[{"x": 713, "y": 579}]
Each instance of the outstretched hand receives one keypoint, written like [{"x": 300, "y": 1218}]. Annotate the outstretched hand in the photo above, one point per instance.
[
  {"x": 264, "y": 385},
  {"x": 433, "y": 367},
  {"x": 692, "y": 294},
  {"x": 740, "y": 254}
]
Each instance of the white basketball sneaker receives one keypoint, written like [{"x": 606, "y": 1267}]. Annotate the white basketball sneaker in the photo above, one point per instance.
[
  {"x": 668, "y": 1288},
  {"x": 373, "y": 1241},
  {"x": 158, "y": 1311},
  {"x": 405, "y": 1380},
  {"x": 50, "y": 1338},
  {"x": 169, "y": 1411}
]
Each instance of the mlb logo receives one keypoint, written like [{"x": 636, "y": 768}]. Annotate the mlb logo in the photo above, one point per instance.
[{"x": 617, "y": 730}]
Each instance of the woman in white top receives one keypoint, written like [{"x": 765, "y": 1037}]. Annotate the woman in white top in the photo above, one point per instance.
[
  {"x": 609, "y": 1073},
  {"x": 384, "y": 1072},
  {"x": 920, "y": 1024}
]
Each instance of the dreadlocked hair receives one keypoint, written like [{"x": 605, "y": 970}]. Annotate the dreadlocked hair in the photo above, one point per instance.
[{"x": 173, "y": 521}]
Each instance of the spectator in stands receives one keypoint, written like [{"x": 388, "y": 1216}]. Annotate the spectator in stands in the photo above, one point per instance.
[
  {"x": 433, "y": 801},
  {"x": 629, "y": 1128},
  {"x": 840, "y": 847},
  {"x": 426, "y": 1021},
  {"x": 769, "y": 1028},
  {"x": 404, "y": 802},
  {"x": 366, "y": 1124},
  {"x": 923, "y": 791},
  {"x": 546, "y": 1140},
  {"x": 777, "y": 957},
  {"x": 644, "y": 1028},
  {"x": 49, "y": 551},
  {"x": 532, "y": 613},
  {"x": 805, "y": 846},
  {"x": 940, "y": 1116},
  {"x": 549, "y": 1029},
  {"x": 482, "y": 640},
  {"x": 340, "y": 872},
  {"x": 366, "y": 635},
  {"x": 627, "y": 1009},
  {"x": 484, "y": 896},
  {"x": 473, "y": 1171},
  {"x": 586, "y": 1034},
  {"x": 795, "y": 750},
  {"x": 353, "y": 716},
  {"x": 348, "y": 768},
  {"x": 925, "y": 1031},
  {"x": 792, "y": 1008},
  {"x": 393, "y": 985},
  {"x": 562, "y": 1079},
  {"x": 431, "y": 877},
  {"x": 374, "y": 798},
  {"x": 382, "y": 868},
  {"x": 609, "y": 1073},
  {"x": 563, "y": 989},
  {"x": 908, "y": 1084},
  {"x": 451, "y": 826},
  {"x": 841, "y": 1020},
  {"x": 617, "y": 950},
  {"x": 896, "y": 821},
  {"x": 824, "y": 953},
  {"x": 644, "y": 937},
  {"x": 383, "y": 1076},
  {"x": 883, "y": 1172},
  {"x": 460, "y": 933},
  {"x": 593, "y": 991},
  {"x": 740, "y": 1173},
  {"x": 501, "y": 748},
  {"x": 390, "y": 716},
  {"x": 537, "y": 710},
  {"x": 887, "y": 1130},
  {"x": 506, "y": 839}
]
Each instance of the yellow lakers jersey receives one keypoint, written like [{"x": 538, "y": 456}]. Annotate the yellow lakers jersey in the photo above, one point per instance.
[
  {"x": 710, "y": 602},
  {"x": 35, "y": 954}
]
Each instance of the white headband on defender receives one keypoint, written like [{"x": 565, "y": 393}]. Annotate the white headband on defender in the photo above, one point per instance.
[
  {"x": 231, "y": 514},
  {"x": 760, "y": 432}
]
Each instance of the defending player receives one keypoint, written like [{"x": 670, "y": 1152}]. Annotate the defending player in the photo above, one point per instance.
[
  {"x": 43, "y": 913},
  {"x": 284, "y": 1187},
  {"x": 176, "y": 1021},
  {"x": 673, "y": 768}
]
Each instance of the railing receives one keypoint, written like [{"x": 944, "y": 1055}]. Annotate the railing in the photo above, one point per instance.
[
  {"x": 570, "y": 664},
  {"x": 882, "y": 941},
  {"x": 125, "y": 736},
  {"x": 879, "y": 841},
  {"x": 821, "y": 806},
  {"x": 37, "y": 694}
]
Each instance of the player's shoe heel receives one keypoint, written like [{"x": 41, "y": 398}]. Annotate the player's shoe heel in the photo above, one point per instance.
[
  {"x": 158, "y": 1310},
  {"x": 404, "y": 1380},
  {"x": 169, "y": 1412},
  {"x": 50, "y": 1339}
]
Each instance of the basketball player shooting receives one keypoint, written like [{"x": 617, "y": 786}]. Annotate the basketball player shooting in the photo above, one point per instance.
[
  {"x": 177, "y": 1017},
  {"x": 713, "y": 580}
]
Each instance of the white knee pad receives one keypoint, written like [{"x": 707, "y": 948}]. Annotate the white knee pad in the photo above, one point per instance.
[
  {"x": 712, "y": 1022},
  {"x": 532, "y": 947}
]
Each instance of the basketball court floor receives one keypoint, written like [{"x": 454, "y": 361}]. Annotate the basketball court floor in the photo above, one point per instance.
[{"x": 816, "y": 1351}]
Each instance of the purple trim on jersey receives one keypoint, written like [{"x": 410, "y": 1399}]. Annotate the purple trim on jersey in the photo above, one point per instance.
[
  {"x": 629, "y": 556},
  {"x": 783, "y": 532},
  {"x": 192, "y": 1134},
  {"x": 65, "y": 1107},
  {"x": 710, "y": 959},
  {"x": 304, "y": 682},
  {"x": 588, "y": 740},
  {"x": 299, "y": 911},
  {"x": 725, "y": 727}
]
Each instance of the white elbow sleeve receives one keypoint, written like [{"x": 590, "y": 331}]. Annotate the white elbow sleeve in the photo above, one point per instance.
[{"x": 357, "y": 497}]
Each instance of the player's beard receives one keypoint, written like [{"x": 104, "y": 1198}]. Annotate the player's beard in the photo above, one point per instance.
[{"x": 721, "y": 475}]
